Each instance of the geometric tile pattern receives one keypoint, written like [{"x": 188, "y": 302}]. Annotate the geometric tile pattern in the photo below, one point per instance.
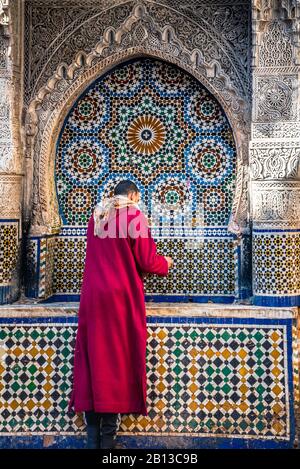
[
  {"x": 8, "y": 250},
  {"x": 296, "y": 370},
  {"x": 153, "y": 123},
  {"x": 205, "y": 265},
  {"x": 221, "y": 379},
  {"x": 35, "y": 377},
  {"x": 47, "y": 252},
  {"x": 276, "y": 263},
  {"x": 215, "y": 380},
  {"x": 67, "y": 273},
  {"x": 32, "y": 267}
]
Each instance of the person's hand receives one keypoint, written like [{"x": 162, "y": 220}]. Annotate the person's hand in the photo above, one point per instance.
[{"x": 169, "y": 261}]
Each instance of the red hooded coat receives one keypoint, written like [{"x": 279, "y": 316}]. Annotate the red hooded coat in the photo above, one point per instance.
[{"x": 109, "y": 372}]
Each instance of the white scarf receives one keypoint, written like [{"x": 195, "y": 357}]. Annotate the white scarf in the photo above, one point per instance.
[{"x": 103, "y": 209}]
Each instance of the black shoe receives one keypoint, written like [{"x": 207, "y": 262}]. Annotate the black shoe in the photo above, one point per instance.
[
  {"x": 108, "y": 442},
  {"x": 93, "y": 437}
]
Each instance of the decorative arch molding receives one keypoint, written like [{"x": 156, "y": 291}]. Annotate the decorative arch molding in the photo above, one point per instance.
[
  {"x": 138, "y": 36},
  {"x": 215, "y": 29}
]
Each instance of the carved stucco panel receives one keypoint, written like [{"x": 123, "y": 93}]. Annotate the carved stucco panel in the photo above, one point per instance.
[
  {"x": 275, "y": 160},
  {"x": 54, "y": 33},
  {"x": 275, "y": 98},
  {"x": 6, "y": 157},
  {"x": 277, "y": 130},
  {"x": 4, "y": 16},
  {"x": 10, "y": 196},
  {"x": 276, "y": 204},
  {"x": 11, "y": 151},
  {"x": 276, "y": 48}
]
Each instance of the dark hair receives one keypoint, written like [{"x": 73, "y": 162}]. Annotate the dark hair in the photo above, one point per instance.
[{"x": 124, "y": 187}]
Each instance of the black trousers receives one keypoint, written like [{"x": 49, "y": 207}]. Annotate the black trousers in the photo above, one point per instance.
[{"x": 101, "y": 429}]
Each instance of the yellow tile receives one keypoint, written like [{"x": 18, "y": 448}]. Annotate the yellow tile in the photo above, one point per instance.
[
  {"x": 242, "y": 353},
  {"x": 127, "y": 421},
  {"x": 275, "y": 354},
  {"x": 193, "y": 370},
  {"x": 243, "y": 371},
  {"x": 47, "y": 386},
  {"x": 3, "y": 351},
  {"x": 46, "y": 404},
  {"x": 243, "y": 388},
  {"x": 209, "y": 406},
  {"x": 160, "y": 404},
  {"x": 161, "y": 387},
  {"x": 160, "y": 422},
  {"x": 161, "y": 369},
  {"x": 193, "y": 388},
  {"x": 194, "y": 352},
  {"x": 243, "y": 406},
  {"x": 275, "y": 336},
  {"x": 226, "y": 354},
  {"x": 277, "y": 427},
  {"x": 277, "y": 409},
  {"x": 48, "y": 369},
  {"x": 33, "y": 352},
  {"x": 14, "y": 404},
  {"x": 277, "y": 390},
  {"x": 31, "y": 404},
  {"x": 209, "y": 353},
  {"x": 226, "y": 406},
  {"x": 161, "y": 352},
  {"x": 161, "y": 334},
  {"x": 276, "y": 371},
  {"x": 193, "y": 406},
  {"x": 144, "y": 422},
  {"x": 17, "y": 351}
]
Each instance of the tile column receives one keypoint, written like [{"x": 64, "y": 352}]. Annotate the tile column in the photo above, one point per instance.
[{"x": 275, "y": 153}]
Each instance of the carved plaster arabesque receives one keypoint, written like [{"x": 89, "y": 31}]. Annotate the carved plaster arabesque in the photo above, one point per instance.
[
  {"x": 275, "y": 160},
  {"x": 276, "y": 204},
  {"x": 54, "y": 34},
  {"x": 11, "y": 151},
  {"x": 276, "y": 48},
  {"x": 277, "y": 130},
  {"x": 49, "y": 108},
  {"x": 6, "y": 163},
  {"x": 268, "y": 10},
  {"x": 10, "y": 196},
  {"x": 4, "y": 16},
  {"x": 276, "y": 98},
  {"x": 3, "y": 53}
]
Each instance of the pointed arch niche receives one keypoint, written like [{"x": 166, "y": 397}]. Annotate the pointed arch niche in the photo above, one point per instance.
[{"x": 149, "y": 120}]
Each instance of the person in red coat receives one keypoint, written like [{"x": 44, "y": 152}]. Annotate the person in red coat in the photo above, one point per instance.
[{"x": 109, "y": 374}]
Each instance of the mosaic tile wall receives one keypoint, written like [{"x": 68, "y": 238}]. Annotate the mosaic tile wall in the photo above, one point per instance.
[
  {"x": 9, "y": 250},
  {"x": 213, "y": 249},
  {"x": 206, "y": 376},
  {"x": 276, "y": 263},
  {"x": 150, "y": 121},
  {"x": 40, "y": 259}
]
